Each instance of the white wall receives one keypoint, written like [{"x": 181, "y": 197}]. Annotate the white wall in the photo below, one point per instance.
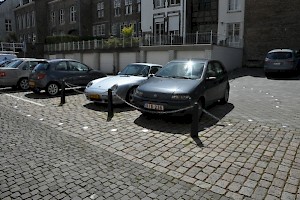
[
  {"x": 91, "y": 59},
  {"x": 157, "y": 57},
  {"x": 193, "y": 54},
  {"x": 226, "y": 17},
  {"x": 107, "y": 62},
  {"x": 232, "y": 58},
  {"x": 125, "y": 59},
  {"x": 146, "y": 15}
]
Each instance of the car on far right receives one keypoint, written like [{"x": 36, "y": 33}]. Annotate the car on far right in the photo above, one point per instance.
[{"x": 282, "y": 60}]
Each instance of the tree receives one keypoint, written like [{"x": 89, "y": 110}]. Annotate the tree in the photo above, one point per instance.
[{"x": 127, "y": 31}]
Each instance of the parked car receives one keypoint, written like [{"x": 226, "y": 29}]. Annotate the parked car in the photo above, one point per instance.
[
  {"x": 122, "y": 84},
  {"x": 6, "y": 62},
  {"x": 16, "y": 73},
  {"x": 7, "y": 56},
  {"x": 50, "y": 74},
  {"x": 282, "y": 60},
  {"x": 181, "y": 83}
]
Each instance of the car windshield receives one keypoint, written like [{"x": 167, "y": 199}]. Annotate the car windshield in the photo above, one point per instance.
[
  {"x": 135, "y": 70},
  {"x": 279, "y": 55},
  {"x": 14, "y": 64},
  {"x": 184, "y": 69},
  {"x": 41, "y": 67}
]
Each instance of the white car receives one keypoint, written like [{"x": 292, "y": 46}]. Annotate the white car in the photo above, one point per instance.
[{"x": 123, "y": 85}]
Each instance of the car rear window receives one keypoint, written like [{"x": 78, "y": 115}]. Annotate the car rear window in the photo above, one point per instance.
[
  {"x": 280, "y": 55},
  {"x": 14, "y": 64},
  {"x": 41, "y": 66}
]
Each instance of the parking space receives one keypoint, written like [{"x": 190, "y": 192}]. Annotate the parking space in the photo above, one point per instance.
[{"x": 253, "y": 152}]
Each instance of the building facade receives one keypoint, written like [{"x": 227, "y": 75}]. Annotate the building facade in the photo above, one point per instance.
[
  {"x": 231, "y": 23},
  {"x": 270, "y": 24},
  {"x": 7, "y": 20},
  {"x": 30, "y": 21}
]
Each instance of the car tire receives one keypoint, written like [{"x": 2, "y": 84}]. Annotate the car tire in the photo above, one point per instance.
[
  {"x": 129, "y": 96},
  {"x": 224, "y": 100},
  {"x": 52, "y": 89},
  {"x": 23, "y": 84}
]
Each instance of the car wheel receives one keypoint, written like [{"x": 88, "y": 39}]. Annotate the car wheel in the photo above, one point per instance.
[
  {"x": 52, "y": 89},
  {"x": 23, "y": 84},
  {"x": 224, "y": 100},
  {"x": 130, "y": 93}
]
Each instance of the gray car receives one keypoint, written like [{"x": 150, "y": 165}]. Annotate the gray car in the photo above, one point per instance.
[
  {"x": 122, "y": 84},
  {"x": 281, "y": 60},
  {"x": 50, "y": 74},
  {"x": 181, "y": 83},
  {"x": 16, "y": 73}
]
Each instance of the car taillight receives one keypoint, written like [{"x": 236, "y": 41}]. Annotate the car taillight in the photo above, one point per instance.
[
  {"x": 41, "y": 76},
  {"x": 2, "y": 74}
]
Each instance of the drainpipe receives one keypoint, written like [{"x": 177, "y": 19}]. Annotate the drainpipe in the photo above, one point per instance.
[{"x": 184, "y": 20}]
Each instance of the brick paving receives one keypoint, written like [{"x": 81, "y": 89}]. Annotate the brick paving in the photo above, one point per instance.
[{"x": 252, "y": 153}]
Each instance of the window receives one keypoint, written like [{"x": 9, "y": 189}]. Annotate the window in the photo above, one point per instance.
[
  {"x": 33, "y": 19},
  {"x": 128, "y": 7},
  {"x": 117, "y": 7},
  {"x": 205, "y": 5},
  {"x": 52, "y": 18},
  {"x": 114, "y": 29},
  {"x": 138, "y": 5},
  {"x": 24, "y": 21},
  {"x": 234, "y": 5},
  {"x": 233, "y": 32},
  {"x": 28, "y": 20},
  {"x": 76, "y": 66},
  {"x": 99, "y": 30},
  {"x": 61, "y": 16},
  {"x": 158, "y": 3},
  {"x": 174, "y": 2},
  {"x": 62, "y": 66},
  {"x": 8, "y": 26},
  {"x": 19, "y": 23},
  {"x": 72, "y": 14},
  {"x": 100, "y": 9}
]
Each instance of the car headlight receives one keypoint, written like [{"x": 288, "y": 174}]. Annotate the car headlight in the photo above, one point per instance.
[
  {"x": 180, "y": 97},
  {"x": 89, "y": 84},
  {"x": 114, "y": 87},
  {"x": 138, "y": 93}
]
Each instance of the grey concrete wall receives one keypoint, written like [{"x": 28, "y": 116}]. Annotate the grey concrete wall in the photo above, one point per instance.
[{"x": 113, "y": 62}]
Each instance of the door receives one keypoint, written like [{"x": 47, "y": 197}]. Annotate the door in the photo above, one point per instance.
[
  {"x": 159, "y": 32},
  {"x": 211, "y": 84},
  {"x": 81, "y": 74}
]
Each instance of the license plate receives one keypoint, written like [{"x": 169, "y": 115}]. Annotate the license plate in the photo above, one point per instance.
[
  {"x": 154, "y": 106},
  {"x": 31, "y": 83},
  {"x": 94, "y": 96},
  {"x": 276, "y": 63}
]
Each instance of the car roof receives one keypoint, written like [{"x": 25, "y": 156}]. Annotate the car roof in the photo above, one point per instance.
[
  {"x": 61, "y": 59},
  {"x": 26, "y": 59},
  {"x": 281, "y": 50},
  {"x": 150, "y": 64},
  {"x": 192, "y": 59}
]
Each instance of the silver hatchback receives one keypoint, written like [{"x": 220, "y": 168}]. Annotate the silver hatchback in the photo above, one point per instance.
[
  {"x": 16, "y": 73},
  {"x": 281, "y": 60}
]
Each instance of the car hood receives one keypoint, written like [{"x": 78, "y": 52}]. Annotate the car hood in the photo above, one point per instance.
[
  {"x": 169, "y": 85},
  {"x": 109, "y": 81}
]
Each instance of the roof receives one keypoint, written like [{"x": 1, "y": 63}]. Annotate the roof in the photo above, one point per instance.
[{"x": 281, "y": 50}]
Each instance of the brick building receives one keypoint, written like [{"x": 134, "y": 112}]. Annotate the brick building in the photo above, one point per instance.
[{"x": 270, "y": 24}]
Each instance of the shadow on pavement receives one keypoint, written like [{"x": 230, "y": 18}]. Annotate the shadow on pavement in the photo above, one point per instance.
[
  {"x": 44, "y": 95},
  {"x": 103, "y": 107},
  {"x": 182, "y": 124},
  {"x": 259, "y": 73}
]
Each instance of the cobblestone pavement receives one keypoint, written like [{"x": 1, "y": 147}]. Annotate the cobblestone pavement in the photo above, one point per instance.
[{"x": 252, "y": 153}]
